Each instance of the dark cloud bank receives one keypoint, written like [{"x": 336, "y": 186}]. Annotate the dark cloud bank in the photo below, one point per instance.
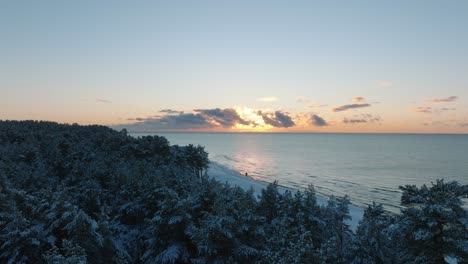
[
  {"x": 278, "y": 119},
  {"x": 225, "y": 117},
  {"x": 318, "y": 121},
  {"x": 203, "y": 119},
  {"x": 178, "y": 121}
]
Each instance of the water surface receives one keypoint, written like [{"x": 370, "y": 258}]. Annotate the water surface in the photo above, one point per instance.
[{"x": 367, "y": 167}]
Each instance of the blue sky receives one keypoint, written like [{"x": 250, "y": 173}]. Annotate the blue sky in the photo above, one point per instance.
[{"x": 111, "y": 62}]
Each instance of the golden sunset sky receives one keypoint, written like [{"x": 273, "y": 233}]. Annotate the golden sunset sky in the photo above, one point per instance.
[{"x": 238, "y": 66}]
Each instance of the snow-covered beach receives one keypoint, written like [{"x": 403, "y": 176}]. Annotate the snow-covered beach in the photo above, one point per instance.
[{"x": 224, "y": 174}]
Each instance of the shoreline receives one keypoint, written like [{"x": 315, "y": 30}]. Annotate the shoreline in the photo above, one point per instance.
[{"x": 235, "y": 178}]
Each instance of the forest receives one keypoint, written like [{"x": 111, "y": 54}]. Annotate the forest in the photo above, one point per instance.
[{"x": 91, "y": 194}]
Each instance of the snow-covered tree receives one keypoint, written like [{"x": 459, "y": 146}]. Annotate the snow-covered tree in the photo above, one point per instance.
[
  {"x": 20, "y": 240},
  {"x": 269, "y": 204},
  {"x": 84, "y": 231},
  {"x": 374, "y": 243},
  {"x": 313, "y": 219},
  {"x": 214, "y": 238},
  {"x": 169, "y": 241},
  {"x": 338, "y": 236},
  {"x": 68, "y": 253},
  {"x": 434, "y": 224},
  {"x": 78, "y": 194}
]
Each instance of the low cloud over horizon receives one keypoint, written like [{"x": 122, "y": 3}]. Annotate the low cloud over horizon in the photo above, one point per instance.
[
  {"x": 278, "y": 119},
  {"x": 178, "y": 121},
  {"x": 317, "y": 120},
  {"x": 238, "y": 119},
  {"x": 209, "y": 119},
  {"x": 364, "y": 118},
  {"x": 224, "y": 117}
]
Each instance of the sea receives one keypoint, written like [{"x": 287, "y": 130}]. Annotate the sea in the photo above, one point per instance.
[{"x": 366, "y": 167}]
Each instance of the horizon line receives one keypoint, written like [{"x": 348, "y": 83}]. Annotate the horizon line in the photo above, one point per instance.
[
  {"x": 292, "y": 132},
  {"x": 112, "y": 126}
]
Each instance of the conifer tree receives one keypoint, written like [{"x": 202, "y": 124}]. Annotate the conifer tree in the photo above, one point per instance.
[
  {"x": 339, "y": 237},
  {"x": 269, "y": 202},
  {"x": 434, "y": 224},
  {"x": 374, "y": 238}
]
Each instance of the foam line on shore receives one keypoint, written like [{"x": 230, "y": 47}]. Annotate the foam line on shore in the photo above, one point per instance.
[{"x": 224, "y": 174}]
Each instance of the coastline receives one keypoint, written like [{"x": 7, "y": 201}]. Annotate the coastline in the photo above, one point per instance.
[{"x": 225, "y": 174}]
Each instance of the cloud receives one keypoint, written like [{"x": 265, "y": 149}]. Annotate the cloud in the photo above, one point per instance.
[
  {"x": 306, "y": 102},
  {"x": 225, "y": 117},
  {"x": 385, "y": 84},
  {"x": 349, "y": 106},
  {"x": 211, "y": 118},
  {"x": 354, "y": 121},
  {"x": 443, "y": 100},
  {"x": 179, "y": 121},
  {"x": 303, "y": 100},
  {"x": 200, "y": 119},
  {"x": 103, "y": 101},
  {"x": 440, "y": 123},
  {"x": 423, "y": 109},
  {"x": 171, "y": 112},
  {"x": 96, "y": 100},
  {"x": 278, "y": 119},
  {"x": 364, "y": 118},
  {"x": 188, "y": 120},
  {"x": 358, "y": 99},
  {"x": 140, "y": 119},
  {"x": 318, "y": 121},
  {"x": 267, "y": 99},
  {"x": 315, "y": 106},
  {"x": 436, "y": 123},
  {"x": 427, "y": 109}
]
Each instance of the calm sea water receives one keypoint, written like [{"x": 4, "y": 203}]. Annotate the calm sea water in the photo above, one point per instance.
[{"x": 367, "y": 167}]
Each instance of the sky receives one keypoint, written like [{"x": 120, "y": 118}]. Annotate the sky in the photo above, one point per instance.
[{"x": 237, "y": 66}]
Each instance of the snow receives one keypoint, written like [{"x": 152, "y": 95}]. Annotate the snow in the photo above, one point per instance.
[
  {"x": 224, "y": 174},
  {"x": 451, "y": 260}
]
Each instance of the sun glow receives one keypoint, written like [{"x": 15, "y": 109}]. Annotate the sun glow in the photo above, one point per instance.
[{"x": 251, "y": 115}]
